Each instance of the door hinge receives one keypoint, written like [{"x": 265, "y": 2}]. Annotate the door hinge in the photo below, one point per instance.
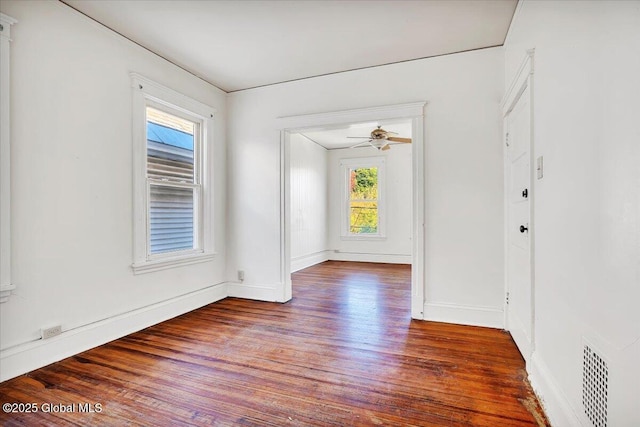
[
  {"x": 506, "y": 139},
  {"x": 507, "y": 298}
]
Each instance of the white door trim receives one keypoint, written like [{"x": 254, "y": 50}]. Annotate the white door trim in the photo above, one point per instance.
[
  {"x": 522, "y": 81},
  {"x": 519, "y": 82},
  {"x": 413, "y": 111}
]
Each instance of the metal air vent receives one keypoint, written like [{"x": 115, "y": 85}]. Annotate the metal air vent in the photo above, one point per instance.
[{"x": 595, "y": 387}]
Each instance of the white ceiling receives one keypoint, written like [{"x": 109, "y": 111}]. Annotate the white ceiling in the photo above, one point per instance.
[
  {"x": 347, "y": 136},
  {"x": 236, "y": 45}
]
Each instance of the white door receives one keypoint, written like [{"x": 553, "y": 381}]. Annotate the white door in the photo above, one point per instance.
[{"x": 518, "y": 234}]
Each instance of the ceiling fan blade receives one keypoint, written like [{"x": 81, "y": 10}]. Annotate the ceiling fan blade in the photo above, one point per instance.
[
  {"x": 397, "y": 139},
  {"x": 386, "y": 147},
  {"x": 359, "y": 144},
  {"x": 360, "y": 137}
]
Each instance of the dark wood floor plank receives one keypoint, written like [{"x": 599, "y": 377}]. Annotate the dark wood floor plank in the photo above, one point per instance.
[{"x": 343, "y": 352}]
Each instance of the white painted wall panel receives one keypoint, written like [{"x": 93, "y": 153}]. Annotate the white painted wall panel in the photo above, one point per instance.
[
  {"x": 72, "y": 185},
  {"x": 309, "y": 198},
  {"x": 587, "y": 206},
  {"x": 463, "y": 163}
]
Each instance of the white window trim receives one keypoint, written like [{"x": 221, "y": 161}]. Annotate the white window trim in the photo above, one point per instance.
[
  {"x": 149, "y": 93},
  {"x": 362, "y": 162},
  {"x": 5, "y": 160}
]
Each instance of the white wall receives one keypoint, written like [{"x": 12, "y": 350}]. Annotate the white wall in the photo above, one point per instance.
[
  {"x": 396, "y": 246},
  {"x": 309, "y": 202},
  {"x": 463, "y": 163},
  {"x": 71, "y": 159},
  {"x": 587, "y": 206}
]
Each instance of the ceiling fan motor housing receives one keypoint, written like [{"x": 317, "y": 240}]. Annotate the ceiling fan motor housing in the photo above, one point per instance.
[
  {"x": 380, "y": 138},
  {"x": 379, "y": 134}
]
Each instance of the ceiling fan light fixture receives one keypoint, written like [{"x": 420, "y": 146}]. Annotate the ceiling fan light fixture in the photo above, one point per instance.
[{"x": 379, "y": 143}]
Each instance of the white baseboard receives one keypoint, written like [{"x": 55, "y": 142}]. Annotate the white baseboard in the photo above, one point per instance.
[
  {"x": 273, "y": 293},
  {"x": 464, "y": 315},
  {"x": 554, "y": 402},
  {"x": 27, "y": 357},
  {"x": 298, "y": 263},
  {"x": 362, "y": 257}
]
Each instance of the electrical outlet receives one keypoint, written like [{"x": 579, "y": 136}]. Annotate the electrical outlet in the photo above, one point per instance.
[
  {"x": 241, "y": 275},
  {"x": 50, "y": 332}
]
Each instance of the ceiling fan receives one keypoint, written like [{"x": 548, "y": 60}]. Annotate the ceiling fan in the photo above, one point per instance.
[{"x": 380, "y": 139}]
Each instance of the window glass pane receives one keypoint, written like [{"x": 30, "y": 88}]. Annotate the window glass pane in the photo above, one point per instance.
[
  {"x": 363, "y": 184},
  {"x": 363, "y": 217},
  {"x": 363, "y": 201},
  {"x": 170, "y": 218},
  {"x": 170, "y": 143}
]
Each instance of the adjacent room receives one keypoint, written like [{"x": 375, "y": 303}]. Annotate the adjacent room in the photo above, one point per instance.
[
  {"x": 350, "y": 200},
  {"x": 320, "y": 212}
]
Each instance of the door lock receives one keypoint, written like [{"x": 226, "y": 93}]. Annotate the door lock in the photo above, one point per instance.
[
  {"x": 523, "y": 228},
  {"x": 525, "y": 193}
]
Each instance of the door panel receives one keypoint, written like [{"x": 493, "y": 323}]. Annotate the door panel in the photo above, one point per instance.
[{"x": 518, "y": 179}]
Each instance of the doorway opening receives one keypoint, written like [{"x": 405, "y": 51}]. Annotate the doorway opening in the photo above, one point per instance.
[{"x": 347, "y": 196}]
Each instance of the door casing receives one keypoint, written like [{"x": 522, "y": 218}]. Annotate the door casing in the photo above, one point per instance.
[
  {"x": 292, "y": 124},
  {"x": 523, "y": 81}
]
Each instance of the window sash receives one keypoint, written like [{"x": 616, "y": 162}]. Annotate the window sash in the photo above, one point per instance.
[
  {"x": 164, "y": 174},
  {"x": 181, "y": 223},
  {"x": 198, "y": 137},
  {"x": 351, "y": 164},
  {"x": 364, "y": 229}
]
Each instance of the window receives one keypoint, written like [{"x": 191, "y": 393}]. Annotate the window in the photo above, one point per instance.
[
  {"x": 172, "y": 200},
  {"x": 173, "y": 182},
  {"x": 363, "y": 208},
  {"x": 6, "y": 287},
  {"x": 363, "y": 200}
]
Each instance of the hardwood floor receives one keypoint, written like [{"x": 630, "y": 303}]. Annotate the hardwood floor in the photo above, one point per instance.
[{"x": 343, "y": 352}]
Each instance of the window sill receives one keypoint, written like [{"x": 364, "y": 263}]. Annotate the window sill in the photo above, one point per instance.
[
  {"x": 165, "y": 263},
  {"x": 369, "y": 238}
]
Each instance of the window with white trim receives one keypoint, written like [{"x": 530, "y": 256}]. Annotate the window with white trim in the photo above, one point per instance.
[
  {"x": 172, "y": 167},
  {"x": 363, "y": 201},
  {"x": 6, "y": 285}
]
